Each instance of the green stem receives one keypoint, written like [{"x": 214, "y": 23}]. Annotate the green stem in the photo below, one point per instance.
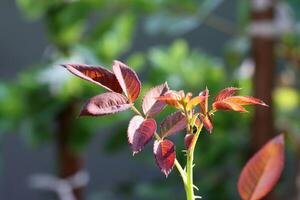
[
  {"x": 189, "y": 170},
  {"x": 189, "y": 166},
  {"x": 134, "y": 109}
]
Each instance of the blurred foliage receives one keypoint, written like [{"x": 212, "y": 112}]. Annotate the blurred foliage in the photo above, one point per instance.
[{"x": 97, "y": 32}]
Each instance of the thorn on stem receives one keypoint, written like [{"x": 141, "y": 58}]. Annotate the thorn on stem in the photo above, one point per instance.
[{"x": 196, "y": 188}]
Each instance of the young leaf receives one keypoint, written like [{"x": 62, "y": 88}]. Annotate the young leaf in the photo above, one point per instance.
[
  {"x": 204, "y": 104},
  {"x": 187, "y": 97},
  {"x": 164, "y": 153},
  {"x": 207, "y": 122},
  {"x": 172, "y": 124},
  {"x": 245, "y": 100},
  {"x": 172, "y": 98},
  {"x": 151, "y": 106},
  {"x": 194, "y": 101},
  {"x": 104, "y": 104},
  {"x": 223, "y": 105},
  {"x": 227, "y": 92},
  {"x": 128, "y": 80},
  {"x": 224, "y": 101},
  {"x": 96, "y": 74},
  {"x": 140, "y": 132},
  {"x": 262, "y": 171}
]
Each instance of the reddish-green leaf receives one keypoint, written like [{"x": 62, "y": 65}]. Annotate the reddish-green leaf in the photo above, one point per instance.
[
  {"x": 128, "y": 80},
  {"x": 262, "y": 171},
  {"x": 204, "y": 104},
  {"x": 194, "y": 102},
  {"x": 172, "y": 124},
  {"x": 172, "y": 98},
  {"x": 104, "y": 104},
  {"x": 227, "y": 92},
  {"x": 164, "y": 153},
  {"x": 97, "y": 75},
  {"x": 151, "y": 106},
  {"x": 140, "y": 132},
  {"x": 225, "y": 101},
  {"x": 245, "y": 100},
  {"x": 223, "y": 105},
  {"x": 207, "y": 122}
]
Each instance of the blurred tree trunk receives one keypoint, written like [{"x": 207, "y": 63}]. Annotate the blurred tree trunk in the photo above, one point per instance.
[
  {"x": 263, "y": 55},
  {"x": 69, "y": 162}
]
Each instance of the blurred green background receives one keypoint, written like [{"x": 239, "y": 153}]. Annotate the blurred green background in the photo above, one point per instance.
[{"x": 190, "y": 44}]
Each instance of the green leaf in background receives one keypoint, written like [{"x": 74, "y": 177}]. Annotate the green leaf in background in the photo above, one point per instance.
[
  {"x": 116, "y": 39},
  {"x": 188, "y": 16},
  {"x": 183, "y": 66},
  {"x": 286, "y": 99},
  {"x": 35, "y": 9}
]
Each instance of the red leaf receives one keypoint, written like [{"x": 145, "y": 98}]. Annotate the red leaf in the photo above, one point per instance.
[
  {"x": 245, "y": 100},
  {"x": 224, "y": 101},
  {"x": 164, "y": 153},
  {"x": 172, "y": 98},
  {"x": 207, "y": 122},
  {"x": 172, "y": 124},
  {"x": 223, "y": 105},
  {"x": 128, "y": 80},
  {"x": 194, "y": 101},
  {"x": 227, "y": 92},
  {"x": 204, "y": 104},
  {"x": 96, "y": 74},
  {"x": 151, "y": 106},
  {"x": 104, "y": 104},
  {"x": 262, "y": 171},
  {"x": 140, "y": 132},
  {"x": 188, "y": 140}
]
